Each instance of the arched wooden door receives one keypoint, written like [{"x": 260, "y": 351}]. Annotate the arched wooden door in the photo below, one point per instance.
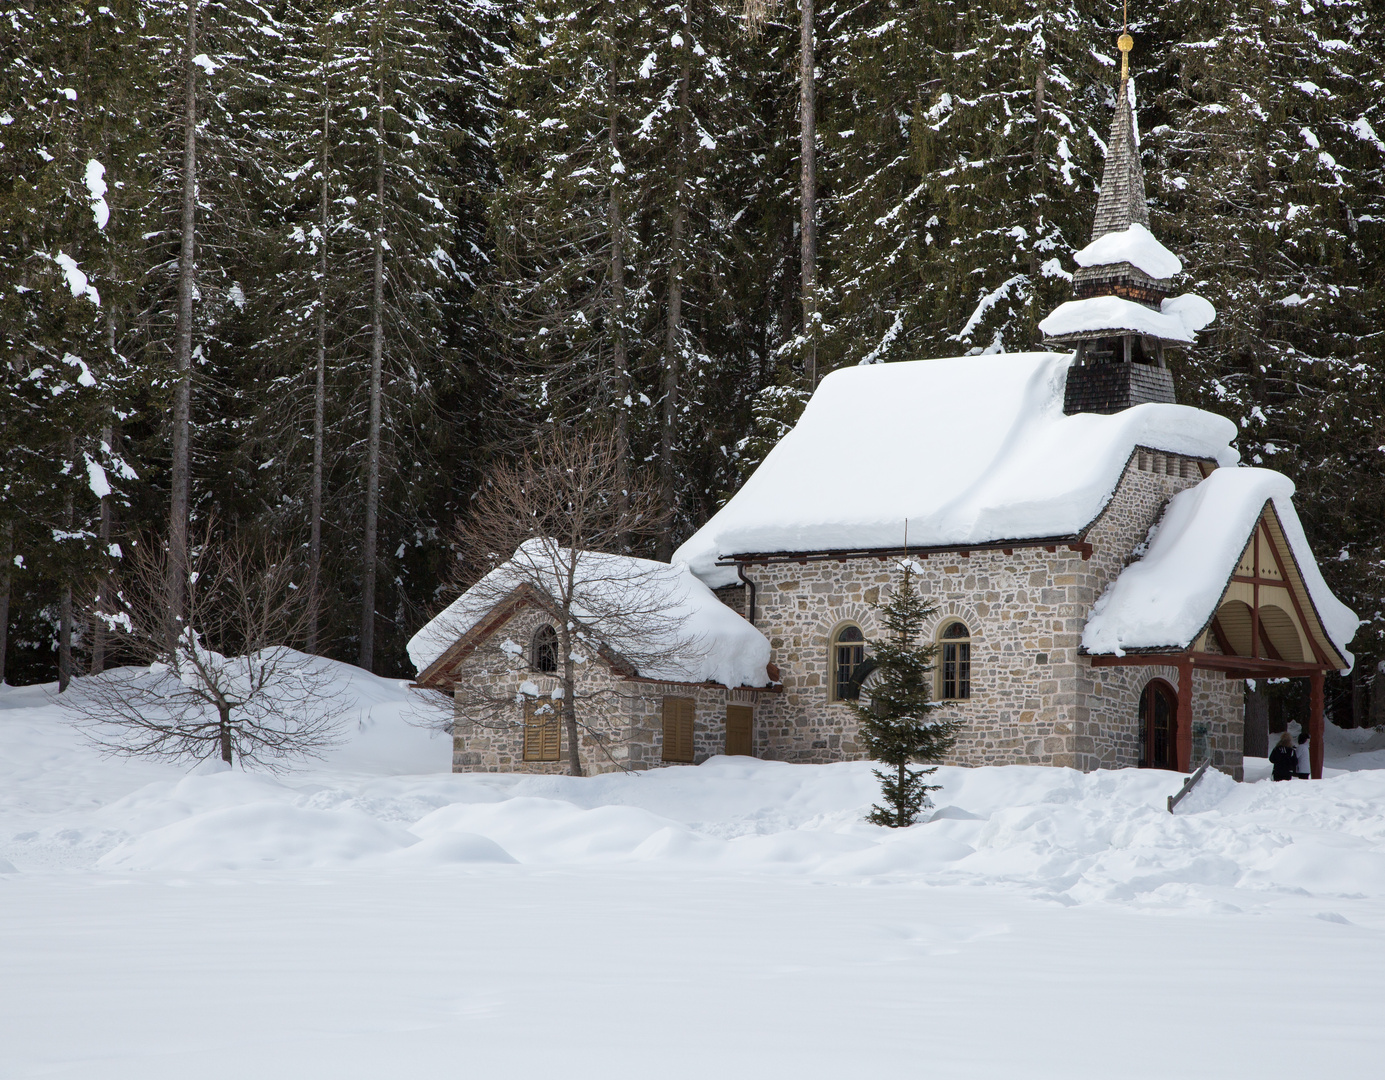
[{"x": 1158, "y": 726}]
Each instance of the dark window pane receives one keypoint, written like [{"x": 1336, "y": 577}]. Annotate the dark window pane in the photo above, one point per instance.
[
  {"x": 850, "y": 633},
  {"x": 956, "y": 630}
]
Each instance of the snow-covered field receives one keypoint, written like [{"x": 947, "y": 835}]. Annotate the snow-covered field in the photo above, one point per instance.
[{"x": 374, "y": 916}]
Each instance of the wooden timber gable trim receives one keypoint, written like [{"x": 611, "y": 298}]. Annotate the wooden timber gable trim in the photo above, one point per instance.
[{"x": 1326, "y": 656}]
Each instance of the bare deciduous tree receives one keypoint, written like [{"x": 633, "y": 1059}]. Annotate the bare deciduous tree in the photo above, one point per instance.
[
  {"x": 542, "y": 531},
  {"x": 230, "y": 686}
]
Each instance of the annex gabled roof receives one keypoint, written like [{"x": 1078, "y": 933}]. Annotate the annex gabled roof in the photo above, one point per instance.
[
  {"x": 1214, "y": 541},
  {"x": 707, "y": 641},
  {"x": 969, "y": 450}
]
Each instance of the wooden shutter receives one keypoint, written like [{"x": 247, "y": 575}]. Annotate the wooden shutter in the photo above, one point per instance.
[
  {"x": 739, "y": 725},
  {"x": 678, "y": 728},
  {"x": 542, "y": 732}
]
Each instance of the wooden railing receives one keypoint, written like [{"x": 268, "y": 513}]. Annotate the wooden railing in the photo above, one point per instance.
[{"x": 1188, "y": 786}]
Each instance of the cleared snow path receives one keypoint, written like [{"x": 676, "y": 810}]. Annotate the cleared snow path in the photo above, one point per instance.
[{"x": 365, "y": 918}]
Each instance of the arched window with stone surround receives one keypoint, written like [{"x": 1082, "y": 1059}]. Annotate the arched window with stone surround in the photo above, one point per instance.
[
  {"x": 543, "y": 650},
  {"x": 846, "y": 654},
  {"x": 954, "y": 661}
]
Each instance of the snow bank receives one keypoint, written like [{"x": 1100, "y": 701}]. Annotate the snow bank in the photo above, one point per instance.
[
  {"x": 707, "y": 641},
  {"x": 1135, "y": 245},
  {"x": 1179, "y": 318},
  {"x": 868, "y": 454},
  {"x": 1166, "y": 598}
]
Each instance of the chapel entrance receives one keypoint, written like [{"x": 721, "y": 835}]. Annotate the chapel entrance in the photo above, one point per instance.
[{"x": 1158, "y": 726}]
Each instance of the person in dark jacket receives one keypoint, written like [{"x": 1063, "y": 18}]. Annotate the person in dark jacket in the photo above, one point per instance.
[{"x": 1284, "y": 758}]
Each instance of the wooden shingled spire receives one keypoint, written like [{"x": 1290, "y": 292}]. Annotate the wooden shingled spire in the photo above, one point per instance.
[{"x": 1122, "y": 202}]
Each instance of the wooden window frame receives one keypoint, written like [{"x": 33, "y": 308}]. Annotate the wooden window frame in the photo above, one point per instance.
[
  {"x": 535, "y": 646},
  {"x": 543, "y": 737},
  {"x": 834, "y": 659},
  {"x": 680, "y": 730},
  {"x": 961, "y": 677}
]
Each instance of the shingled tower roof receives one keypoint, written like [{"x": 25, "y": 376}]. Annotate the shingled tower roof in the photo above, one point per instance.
[{"x": 1122, "y": 202}]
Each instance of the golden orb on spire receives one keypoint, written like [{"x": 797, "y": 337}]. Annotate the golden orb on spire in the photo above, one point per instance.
[{"x": 1125, "y": 43}]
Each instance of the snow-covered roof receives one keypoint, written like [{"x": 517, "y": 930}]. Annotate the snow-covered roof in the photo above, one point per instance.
[
  {"x": 969, "y": 450},
  {"x": 1165, "y": 599},
  {"x": 1179, "y": 318},
  {"x": 1135, "y": 245},
  {"x": 705, "y": 641}
]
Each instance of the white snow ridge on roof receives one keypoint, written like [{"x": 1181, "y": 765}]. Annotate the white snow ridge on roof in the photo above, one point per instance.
[
  {"x": 969, "y": 450},
  {"x": 1179, "y": 317},
  {"x": 709, "y": 642},
  {"x": 1135, "y": 245},
  {"x": 1165, "y": 599}
]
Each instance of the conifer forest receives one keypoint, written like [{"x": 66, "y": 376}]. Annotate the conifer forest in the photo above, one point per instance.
[{"x": 305, "y": 270}]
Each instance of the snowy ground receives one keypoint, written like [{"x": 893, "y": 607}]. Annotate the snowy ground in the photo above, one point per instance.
[{"x": 375, "y": 916}]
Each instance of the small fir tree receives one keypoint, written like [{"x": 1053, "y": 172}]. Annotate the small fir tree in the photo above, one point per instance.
[{"x": 896, "y": 725}]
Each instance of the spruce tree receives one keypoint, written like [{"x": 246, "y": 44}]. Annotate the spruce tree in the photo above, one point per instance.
[{"x": 897, "y": 725}]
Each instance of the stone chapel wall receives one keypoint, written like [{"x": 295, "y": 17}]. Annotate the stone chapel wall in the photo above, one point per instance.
[
  {"x": 1035, "y": 699},
  {"x": 627, "y": 713}
]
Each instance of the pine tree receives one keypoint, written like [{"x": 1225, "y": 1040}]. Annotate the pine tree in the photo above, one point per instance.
[{"x": 896, "y": 726}]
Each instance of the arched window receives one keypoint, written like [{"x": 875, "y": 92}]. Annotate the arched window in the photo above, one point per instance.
[
  {"x": 954, "y": 681},
  {"x": 848, "y": 653},
  {"x": 543, "y": 650}
]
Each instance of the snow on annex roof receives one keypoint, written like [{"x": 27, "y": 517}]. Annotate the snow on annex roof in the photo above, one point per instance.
[
  {"x": 970, "y": 450},
  {"x": 1165, "y": 599},
  {"x": 713, "y": 643}
]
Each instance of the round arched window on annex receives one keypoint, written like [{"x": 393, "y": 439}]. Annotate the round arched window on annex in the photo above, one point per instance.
[
  {"x": 954, "y": 661},
  {"x": 846, "y": 654},
  {"x": 543, "y": 650}
]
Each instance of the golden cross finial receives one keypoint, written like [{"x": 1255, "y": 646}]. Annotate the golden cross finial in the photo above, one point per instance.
[{"x": 1125, "y": 42}]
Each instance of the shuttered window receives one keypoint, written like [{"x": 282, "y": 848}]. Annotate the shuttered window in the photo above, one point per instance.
[
  {"x": 542, "y": 734},
  {"x": 740, "y": 721},
  {"x": 678, "y": 729}
]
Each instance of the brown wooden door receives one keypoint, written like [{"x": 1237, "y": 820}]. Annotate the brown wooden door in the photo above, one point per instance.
[
  {"x": 1159, "y": 726},
  {"x": 678, "y": 728},
  {"x": 740, "y": 720}
]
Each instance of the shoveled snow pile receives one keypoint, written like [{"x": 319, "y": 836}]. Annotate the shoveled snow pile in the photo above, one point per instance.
[
  {"x": 688, "y": 634},
  {"x": 864, "y": 459},
  {"x": 1166, "y": 597},
  {"x": 1135, "y": 245},
  {"x": 1179, "y": 318}
]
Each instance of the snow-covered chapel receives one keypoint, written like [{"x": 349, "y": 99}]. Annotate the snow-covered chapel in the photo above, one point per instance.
[{"x": 1105, "y": 573}]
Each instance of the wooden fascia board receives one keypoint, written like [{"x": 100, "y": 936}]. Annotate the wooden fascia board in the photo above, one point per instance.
[{"x": 1234, "y": 666}]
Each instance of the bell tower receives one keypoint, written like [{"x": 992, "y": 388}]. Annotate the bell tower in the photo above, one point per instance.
[{"x": 1123, "y": 316}]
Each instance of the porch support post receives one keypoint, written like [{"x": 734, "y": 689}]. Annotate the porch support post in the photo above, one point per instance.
[
  {"x": 1184, "y": 735},
  {"x": 1315, "y": 725}
]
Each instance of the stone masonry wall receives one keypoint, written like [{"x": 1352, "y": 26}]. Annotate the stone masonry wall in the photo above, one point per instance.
[
  {"x": 1034, "y": 700},
  {"x": 627, "y": 715}
]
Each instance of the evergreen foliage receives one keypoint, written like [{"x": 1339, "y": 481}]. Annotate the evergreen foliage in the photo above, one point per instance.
[
  {"x": 897, "y": 726},
  {"x": 591, "y": 217}
]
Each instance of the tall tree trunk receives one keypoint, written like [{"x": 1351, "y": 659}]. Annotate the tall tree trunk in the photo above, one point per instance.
[
  {"x": 6, "y": 576},
  {"x": 673, "y": 344},
  {"x": 98, "y": 629},
  {"x": 320, "y": 386},
  {"x": 808, "y": 168},
  {"x": 620, "y": 369},
  {"x": 569, "y": 708},
  {"x": 65, "y": 597},
  {"x": 181, "y": 471},
  {"x": 377, "y": 352},
  {"x": 1038, "y": 202}
]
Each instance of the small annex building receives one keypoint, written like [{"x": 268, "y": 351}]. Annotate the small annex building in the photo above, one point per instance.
[{"x": 1105, "y": 573}]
